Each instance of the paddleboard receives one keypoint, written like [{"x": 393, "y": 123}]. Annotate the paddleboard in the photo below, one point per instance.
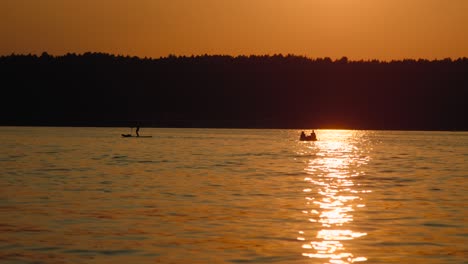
[{"x": 127, "y": 135}]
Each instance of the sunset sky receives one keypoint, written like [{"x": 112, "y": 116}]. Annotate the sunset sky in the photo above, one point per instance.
[{"x": 358, "y": 29}]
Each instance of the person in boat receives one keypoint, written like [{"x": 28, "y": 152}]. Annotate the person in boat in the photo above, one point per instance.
[
  {"x": 137, "y": 130},
  {"x": 303, "y": 136},
  {"x": 313, "y": 135}
]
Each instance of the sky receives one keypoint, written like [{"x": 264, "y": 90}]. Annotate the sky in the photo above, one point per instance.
[{"x": 357, "y": 29}]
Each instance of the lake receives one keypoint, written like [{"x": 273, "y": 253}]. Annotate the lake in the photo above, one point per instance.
[{"x": 86, "y": 195}]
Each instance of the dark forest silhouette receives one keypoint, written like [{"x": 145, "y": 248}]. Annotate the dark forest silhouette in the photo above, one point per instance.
[{"x": 96, "y": 89}]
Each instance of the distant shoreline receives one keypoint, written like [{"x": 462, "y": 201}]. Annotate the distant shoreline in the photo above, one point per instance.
[
  {"x": 97, "y": 89},
  {"x": 259, "y": 128},
  {"x": 233, "y": 57}
]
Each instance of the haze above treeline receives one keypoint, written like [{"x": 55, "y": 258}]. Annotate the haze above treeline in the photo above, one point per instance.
[{"x": 270, "y": 91}]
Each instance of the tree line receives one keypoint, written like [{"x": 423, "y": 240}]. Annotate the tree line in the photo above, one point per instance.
[{"x": 277, "y": 91}]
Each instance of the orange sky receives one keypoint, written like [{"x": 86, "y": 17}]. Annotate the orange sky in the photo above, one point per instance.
[{"x": 358, "y": 29}]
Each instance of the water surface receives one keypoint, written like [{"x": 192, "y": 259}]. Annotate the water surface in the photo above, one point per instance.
[{"x": 85, "y": 195}]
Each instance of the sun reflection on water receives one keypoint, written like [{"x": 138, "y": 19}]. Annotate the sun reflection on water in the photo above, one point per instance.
[{"x": 332, "y": 198}]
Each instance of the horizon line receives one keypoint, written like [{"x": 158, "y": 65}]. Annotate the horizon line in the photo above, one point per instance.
[{"x": 172, "y": 55}]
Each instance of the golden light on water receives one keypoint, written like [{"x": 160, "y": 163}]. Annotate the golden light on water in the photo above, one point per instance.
[{"x": 332, "y": 198}]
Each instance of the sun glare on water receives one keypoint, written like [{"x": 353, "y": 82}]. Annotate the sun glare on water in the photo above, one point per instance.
[{"x": 332, "y": 198}]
